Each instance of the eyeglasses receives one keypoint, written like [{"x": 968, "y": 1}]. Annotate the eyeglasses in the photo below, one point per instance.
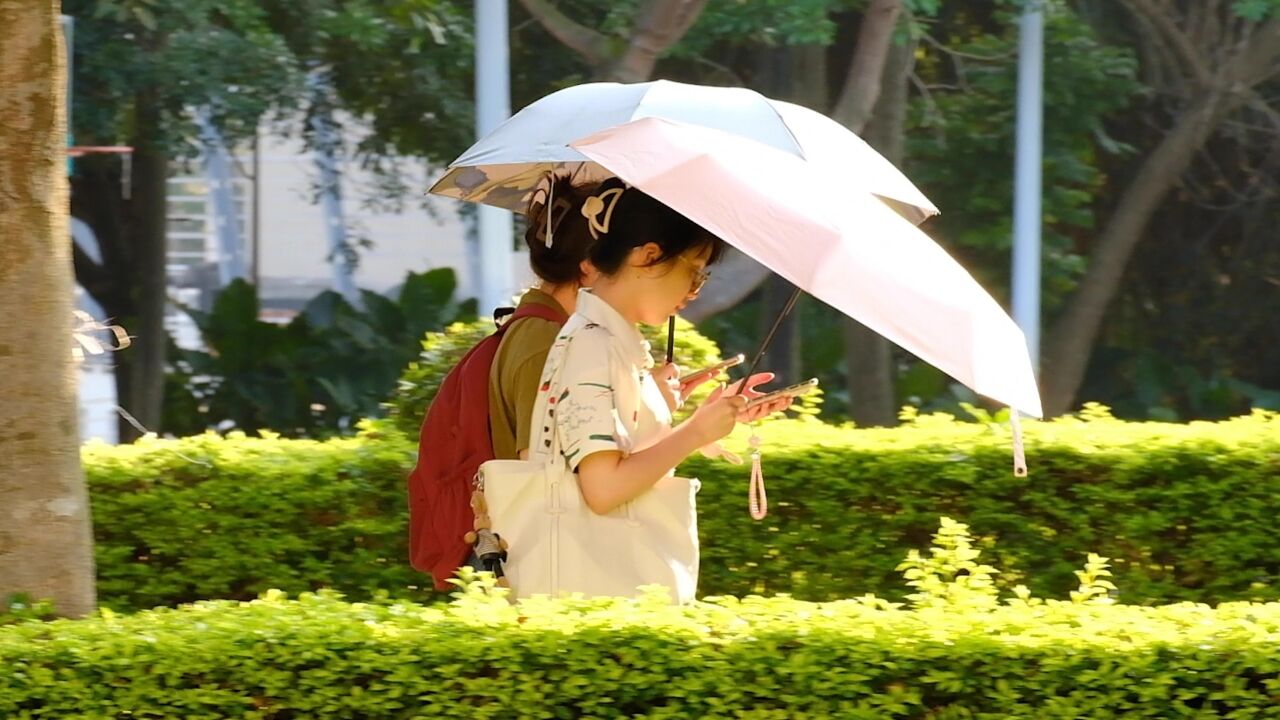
[{"x": 700, "y": 276}]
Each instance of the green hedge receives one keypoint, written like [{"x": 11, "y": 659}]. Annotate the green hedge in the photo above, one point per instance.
[
  {"x": 442, "y": 350},
  {"x": 1186, "y": 511},
  {"x": 318, "y": 657},
  {"x": 213, "y": 517}
]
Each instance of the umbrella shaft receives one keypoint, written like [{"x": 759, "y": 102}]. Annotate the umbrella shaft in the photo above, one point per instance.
[
  {"x": 791, "y": 303},
  {"x": 671, "y": 339}
]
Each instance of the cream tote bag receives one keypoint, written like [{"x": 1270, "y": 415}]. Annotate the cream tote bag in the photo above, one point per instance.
[{"x": 558, "y": 545}]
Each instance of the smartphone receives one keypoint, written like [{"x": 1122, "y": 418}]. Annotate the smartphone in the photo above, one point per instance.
[
  {"x": 793, "y": 391},
  {"x": 713, "y": 370}
]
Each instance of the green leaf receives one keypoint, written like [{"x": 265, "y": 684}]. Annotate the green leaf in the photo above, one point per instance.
[{"x": 145, "y": 17}]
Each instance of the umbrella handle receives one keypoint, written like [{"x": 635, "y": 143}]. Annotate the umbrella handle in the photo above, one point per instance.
[{"x": 671, "y": 339}]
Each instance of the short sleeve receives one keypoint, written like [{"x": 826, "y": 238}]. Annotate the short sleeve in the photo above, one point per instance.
[{"x": 583, "y": 406}]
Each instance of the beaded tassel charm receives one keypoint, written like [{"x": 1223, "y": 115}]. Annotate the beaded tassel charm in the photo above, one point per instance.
[
  {"x": 757, "y": 500},
  {"x": 1019, "y": 453}
]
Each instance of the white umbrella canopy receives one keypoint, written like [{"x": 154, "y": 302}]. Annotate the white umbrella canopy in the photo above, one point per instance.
[
  {"x": 504, "y": 167},
  {"x": 831, "y": 147},
  {"x": 798, "y": 218}
]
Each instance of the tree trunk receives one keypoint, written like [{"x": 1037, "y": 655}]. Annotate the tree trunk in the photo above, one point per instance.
[
  {"x": 45, "y": 542},
  {"x": 862, "y": 83},
  {"x": 658, "y": 24},
  {"x": 868, "y": 355},
  {"x": 140, "y": 369},
  {"x": 1070, "y": 341},
  {"x": 859, "y": 94}
]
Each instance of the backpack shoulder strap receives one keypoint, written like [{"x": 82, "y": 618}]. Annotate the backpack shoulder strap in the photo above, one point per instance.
[{"x": 538, "y": 310}]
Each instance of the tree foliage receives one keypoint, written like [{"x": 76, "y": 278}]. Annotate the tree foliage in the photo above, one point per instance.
[
  {"x": 144, "y": 69},
  {"x": 182, "y": 56},
  {"x": 332, "y": 365},
  {"x": 1117, "y": 82},
  {"x": 961, "y": 144}
]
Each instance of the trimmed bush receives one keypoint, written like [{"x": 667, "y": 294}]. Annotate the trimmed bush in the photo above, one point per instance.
[
  {"x": 231, "y": 517},
  {"x": 442, "y": 350},
  {"x": 318, "y": 657},
  {"x": 1186, "y": 511}
]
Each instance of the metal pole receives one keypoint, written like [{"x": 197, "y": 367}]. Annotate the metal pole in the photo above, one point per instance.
[
  {"x": 256, "y": 259},
  {"x": 1028, "y": 163},
  {"x": 493, "y": 106}
]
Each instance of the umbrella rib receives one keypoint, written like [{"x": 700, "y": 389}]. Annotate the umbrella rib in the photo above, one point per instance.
[{"x": 783, "y": 122}]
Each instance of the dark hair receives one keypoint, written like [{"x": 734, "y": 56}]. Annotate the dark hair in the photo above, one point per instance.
[
  {"x": 638, "y": 219},
  {"x": 571, "y": 241}
]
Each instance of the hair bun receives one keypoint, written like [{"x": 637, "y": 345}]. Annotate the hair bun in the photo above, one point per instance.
[{"x": 556, "y": 233}]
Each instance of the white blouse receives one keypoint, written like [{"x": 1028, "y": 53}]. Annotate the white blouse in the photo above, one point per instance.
[{"x": 604, "y": 397}]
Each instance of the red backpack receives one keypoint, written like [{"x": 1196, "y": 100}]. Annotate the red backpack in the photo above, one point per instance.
[{"x": 454, "y": 442}]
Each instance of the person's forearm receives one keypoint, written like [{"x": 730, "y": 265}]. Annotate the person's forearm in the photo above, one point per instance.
[{"x": 607, "y": 483}]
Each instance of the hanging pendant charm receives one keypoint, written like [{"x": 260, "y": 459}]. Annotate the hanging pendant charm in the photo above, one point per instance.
[
  {"x": 757, "y": 500},
  {"x": 1019, "y": 453}
]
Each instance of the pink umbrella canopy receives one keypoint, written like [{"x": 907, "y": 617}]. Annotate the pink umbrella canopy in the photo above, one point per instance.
[{"x": 803, "y": 220}]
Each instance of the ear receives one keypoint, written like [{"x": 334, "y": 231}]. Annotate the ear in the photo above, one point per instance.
[
  {"x": 588, "y": 274},
  {"x": 646, "y": 254}
]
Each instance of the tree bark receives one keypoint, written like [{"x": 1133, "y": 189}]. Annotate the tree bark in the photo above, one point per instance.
[
  {"x": 1070, "y": 342},
  {"x": 658, "y": 25},
  {"x": 140, "y": 369},
  {"x": 868, "y": 355},
  {"x": 45, "y": 541},
  {"x": 857, "y": 97},
  {"x": 862, "y": 83},
  {"x": 591, "y": 45}
]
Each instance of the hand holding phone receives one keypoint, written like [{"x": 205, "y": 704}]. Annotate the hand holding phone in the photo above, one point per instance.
[
  {"x": 792, "y": 391},
  {"x": 701, "y": 376}
]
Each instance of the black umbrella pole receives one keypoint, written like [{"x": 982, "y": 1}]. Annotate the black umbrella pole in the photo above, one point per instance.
[
  {"x": 791, "y": 303},
  {"x": 671, "y": 339}
]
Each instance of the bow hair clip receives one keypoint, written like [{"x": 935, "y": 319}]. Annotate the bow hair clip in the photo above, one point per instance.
[{"x": 601, "y": 206}]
